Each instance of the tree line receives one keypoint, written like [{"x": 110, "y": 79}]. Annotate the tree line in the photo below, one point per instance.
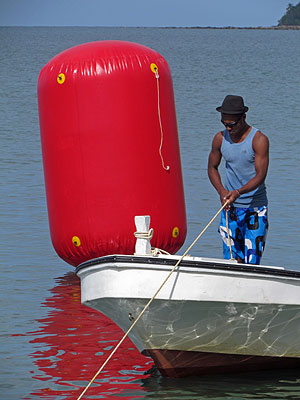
[{"x": 292, "y": 15}]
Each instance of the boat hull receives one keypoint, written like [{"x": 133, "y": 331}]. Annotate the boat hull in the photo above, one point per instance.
[
  {"x": 180, "y": 364},
  {"x": 209, "y": 317}
]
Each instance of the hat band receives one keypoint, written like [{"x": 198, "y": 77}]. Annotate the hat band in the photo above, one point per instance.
[{"x": 232, "y": 111}]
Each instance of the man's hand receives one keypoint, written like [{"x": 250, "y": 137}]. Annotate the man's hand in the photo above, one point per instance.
[
  {"x": 223, "y": 195},
  {"x": 230, "y": 197}
]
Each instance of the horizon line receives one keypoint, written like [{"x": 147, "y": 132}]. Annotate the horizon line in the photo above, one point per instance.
[{"x": 295, "y": 27}]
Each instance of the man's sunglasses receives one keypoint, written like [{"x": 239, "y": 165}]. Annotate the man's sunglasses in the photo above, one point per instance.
[{"x": 231, "y": 124}]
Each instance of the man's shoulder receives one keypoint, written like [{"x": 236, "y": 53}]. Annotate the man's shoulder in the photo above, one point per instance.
[
  {"x": 260, "y": 139},
  {"x": 218, "y": 138},
  {"x": 219, "y": 135},
  {"x": 258, "y": 135}
]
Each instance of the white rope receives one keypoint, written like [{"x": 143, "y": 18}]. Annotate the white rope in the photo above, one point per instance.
[
  {"x": 155, "y": 251},
  {"x": 149, "y": 235},
  {"x": 144, "y": 235},
  {"x": 160, "y": 124}
]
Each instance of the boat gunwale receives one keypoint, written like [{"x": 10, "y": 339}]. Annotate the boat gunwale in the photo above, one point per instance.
[{"x": 193, "y": 263}]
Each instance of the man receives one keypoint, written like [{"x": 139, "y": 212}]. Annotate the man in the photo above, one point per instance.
[{"x": 246, "y": 153}]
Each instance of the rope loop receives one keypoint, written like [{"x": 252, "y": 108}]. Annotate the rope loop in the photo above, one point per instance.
[
  {"x": 156, "y": 251},
  {"x": 144, "y": 235}
]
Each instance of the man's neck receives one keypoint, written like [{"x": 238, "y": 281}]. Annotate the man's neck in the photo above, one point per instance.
[{"x": 241, "y": 134}]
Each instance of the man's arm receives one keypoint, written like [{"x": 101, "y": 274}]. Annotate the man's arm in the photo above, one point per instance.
[{"x": 214, "y": 160}]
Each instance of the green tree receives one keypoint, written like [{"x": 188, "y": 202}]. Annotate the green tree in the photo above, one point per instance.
[{"x": 292, "y": 15}]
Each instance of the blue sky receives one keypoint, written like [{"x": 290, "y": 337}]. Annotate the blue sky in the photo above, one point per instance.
[{"x": 142, "y": 12}]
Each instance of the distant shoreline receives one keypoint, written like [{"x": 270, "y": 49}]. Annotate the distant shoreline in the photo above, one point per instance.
[
  {"x": 272, "y": 28},
  {"x": 264, "y": 28}
]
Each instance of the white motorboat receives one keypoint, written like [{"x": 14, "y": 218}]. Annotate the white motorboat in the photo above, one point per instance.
[{"x": 211, "y": 316}]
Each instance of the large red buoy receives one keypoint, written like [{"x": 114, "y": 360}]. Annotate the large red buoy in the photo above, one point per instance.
[{"x": 110, "y": 150}]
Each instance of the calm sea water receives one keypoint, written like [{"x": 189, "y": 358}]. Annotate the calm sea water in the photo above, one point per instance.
[{"x": 50, "y": 345}]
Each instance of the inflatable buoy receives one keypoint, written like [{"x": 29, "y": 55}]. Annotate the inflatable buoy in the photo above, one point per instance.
[{"x": 110, "y": 150}]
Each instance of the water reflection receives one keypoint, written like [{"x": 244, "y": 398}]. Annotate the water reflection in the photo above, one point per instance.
[
  {"x": 72, "y": 343},
  {"x": 266, "y": 385}
]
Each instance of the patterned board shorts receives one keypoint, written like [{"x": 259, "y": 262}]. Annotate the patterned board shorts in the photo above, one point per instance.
[{"x": 248, "y": 229}]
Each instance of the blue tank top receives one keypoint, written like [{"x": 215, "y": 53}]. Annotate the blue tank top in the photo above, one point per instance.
[{"x": 240, "y": 168}]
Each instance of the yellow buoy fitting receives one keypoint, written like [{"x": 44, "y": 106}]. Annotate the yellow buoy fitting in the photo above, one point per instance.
[
  {"x": 175, "y": 232},
  {"x": 154, "y": 68},
  {"x": 61, "y": 78},
  {"x": 76, "y": 241}
]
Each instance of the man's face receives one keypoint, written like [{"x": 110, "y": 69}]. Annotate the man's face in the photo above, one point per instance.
[{"x": 233, "y": 122}]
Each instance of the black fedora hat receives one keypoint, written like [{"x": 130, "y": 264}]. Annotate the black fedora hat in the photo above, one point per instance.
[{"x": 233, "y": 105}]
